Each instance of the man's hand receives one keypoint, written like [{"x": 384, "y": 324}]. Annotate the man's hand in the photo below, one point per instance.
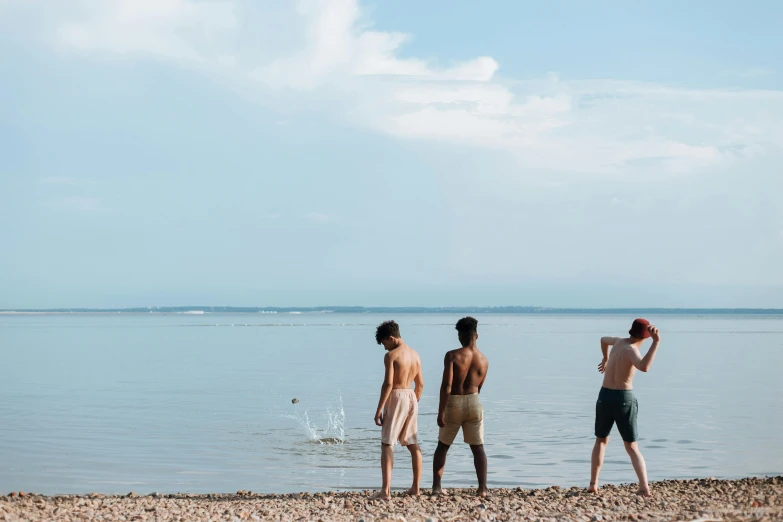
[
  {"x": 379, "y": 418},
  {"x": 654, "y": 333},
  {"x": 602, "y": 366},
  {"x": 442, "y": 419}
]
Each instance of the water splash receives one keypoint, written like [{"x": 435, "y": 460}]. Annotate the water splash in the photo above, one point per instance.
[{"x": 332, "y": 420}]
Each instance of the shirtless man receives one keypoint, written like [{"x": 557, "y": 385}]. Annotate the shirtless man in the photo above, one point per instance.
[
  {"x": 398, "y": 407},
  {"x": 463, "y": 376},
  {"x": 616, "y": 402}
]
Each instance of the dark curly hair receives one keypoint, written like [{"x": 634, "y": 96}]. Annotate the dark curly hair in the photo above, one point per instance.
[
  {"x": 387, "y": 329},
  {"x": 467, "y": 327}
]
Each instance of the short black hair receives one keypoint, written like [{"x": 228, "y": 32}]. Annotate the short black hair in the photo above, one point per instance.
[
  {"x": 387, "y": 329},
  {"x": 467, "y": 326}
]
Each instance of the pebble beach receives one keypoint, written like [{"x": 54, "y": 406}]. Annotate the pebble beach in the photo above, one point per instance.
[{"x": 757, "y": 499}]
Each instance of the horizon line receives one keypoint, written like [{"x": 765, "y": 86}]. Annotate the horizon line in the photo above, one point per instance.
[{"x": 510, "y": 309}]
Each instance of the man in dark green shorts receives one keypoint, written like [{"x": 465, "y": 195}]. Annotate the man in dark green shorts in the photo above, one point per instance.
[{"x": 616, "y": 403}]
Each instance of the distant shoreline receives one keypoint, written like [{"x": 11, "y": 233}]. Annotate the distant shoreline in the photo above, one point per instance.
[{"x": 498, "y": 310}]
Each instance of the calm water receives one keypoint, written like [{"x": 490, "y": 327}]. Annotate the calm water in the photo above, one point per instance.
[{"x": 202, "y": 403}]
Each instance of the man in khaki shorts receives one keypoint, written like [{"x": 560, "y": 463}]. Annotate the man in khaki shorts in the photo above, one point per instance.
[
  {"x": 398, "y": 407},
  {"x": 463, "y": 376}
]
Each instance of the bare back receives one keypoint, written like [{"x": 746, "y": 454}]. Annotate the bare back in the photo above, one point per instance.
[
  {"x": 620, "y": 368},
  {"x": 406, "y": 366},
  {"x": 469, "y": 369}
]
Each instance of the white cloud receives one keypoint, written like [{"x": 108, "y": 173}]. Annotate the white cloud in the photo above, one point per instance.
[
  {"x": 326, "y": 54},
  {"x": 77, "y": 203},
  {"x": 319, "y": 218},
  {"x": 57, "y": 180}
]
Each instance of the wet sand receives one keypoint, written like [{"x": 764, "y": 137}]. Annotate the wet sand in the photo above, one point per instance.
[{"x": 703, "y": 500}]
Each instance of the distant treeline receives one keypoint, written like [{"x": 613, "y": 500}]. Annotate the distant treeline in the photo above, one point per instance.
[{"x": 416, "y": 310}]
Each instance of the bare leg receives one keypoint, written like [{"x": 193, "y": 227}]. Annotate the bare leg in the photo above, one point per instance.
[
  {"x": 480, "y": 462},
  {"x": 416, "y": 461},
  {"x": 596, "y": 462},
  {"x": 639, "y": 467},
  {"x": 438, "y": 464},
  {"x": 387, "y": 463}
]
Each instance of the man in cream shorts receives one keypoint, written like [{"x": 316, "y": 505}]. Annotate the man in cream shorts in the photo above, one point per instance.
[
  {"x": 398, "y": 406},
  {"x": 460, "y": 407}
]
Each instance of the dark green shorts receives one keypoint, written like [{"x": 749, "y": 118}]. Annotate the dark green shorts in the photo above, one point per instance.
[{"x": 616, "y": 406}]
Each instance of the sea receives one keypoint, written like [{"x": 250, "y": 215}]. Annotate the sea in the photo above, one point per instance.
[{"x": 284, "y": 402}]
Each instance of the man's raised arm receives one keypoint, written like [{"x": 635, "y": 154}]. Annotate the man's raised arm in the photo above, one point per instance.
[
  {"x": 445, "y": 388},
  {"x": 643, "y": 363},
  {"x": 386, "y": 388}
]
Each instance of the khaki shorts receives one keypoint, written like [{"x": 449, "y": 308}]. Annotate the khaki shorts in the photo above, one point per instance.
[
  {"x": 466, "y": 412},
  {"x": 400, "y": 418}
]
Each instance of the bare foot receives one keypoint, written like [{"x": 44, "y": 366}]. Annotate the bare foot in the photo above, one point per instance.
[
  {"x": 438, "y": 491},
  {"x": 381, "y": 495},
  {"x": 643, "y": 492},
  {"x": 592, "y": 488},
  {"x": 413, "y": 491},
  {"x": 483, "y": 493}
]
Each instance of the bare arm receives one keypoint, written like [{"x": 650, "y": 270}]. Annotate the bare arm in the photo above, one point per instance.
[
  {"x": 486, "y": 371},
  {"x": 419, "y": 381},
  {"x": 386, "y": 388},
  {"x": 643, "y": 363},
  {"x": 606, "y": 342},
  {"x": 445, "y": 388}
]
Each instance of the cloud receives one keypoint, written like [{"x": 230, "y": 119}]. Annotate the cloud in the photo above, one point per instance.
[
  {"x": 319, "y": 218},
  {"x": 184, "y": 31},
  {"x": 78, "y": 204},
  {"x": 57, "y": 180},
  {"x": 325, "y": 55}
]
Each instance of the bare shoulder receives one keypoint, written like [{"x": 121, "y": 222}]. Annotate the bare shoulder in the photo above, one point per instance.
[{"x": 449, "y": 357}]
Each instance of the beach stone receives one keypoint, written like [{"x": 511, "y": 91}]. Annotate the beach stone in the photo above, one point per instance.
[{"x": 597, "y": 518}]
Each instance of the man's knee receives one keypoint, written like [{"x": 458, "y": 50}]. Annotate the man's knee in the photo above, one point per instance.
[
  {"x": 631, "y": 447},
  {"x": 413, "y": 448},
  {"x": 477, "y": 449},
  {"x": 442, "y": 448},
  {"x": 602, "y": 441}
]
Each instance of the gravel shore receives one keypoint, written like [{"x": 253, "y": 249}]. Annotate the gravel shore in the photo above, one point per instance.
[{"x": 687, "y": 500}]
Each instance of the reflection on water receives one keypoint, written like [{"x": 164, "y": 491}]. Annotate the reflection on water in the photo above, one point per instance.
[{"x": 192, "y": 404}]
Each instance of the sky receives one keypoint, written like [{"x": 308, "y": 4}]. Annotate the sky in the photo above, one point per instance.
[{"x": 391, "y": 153}]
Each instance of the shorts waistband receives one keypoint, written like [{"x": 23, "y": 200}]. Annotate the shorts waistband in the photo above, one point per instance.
[
  {"x": 402, "y": 390},
  {"x": 466, "y": 397},
  {"x": 607, "y": 393}
]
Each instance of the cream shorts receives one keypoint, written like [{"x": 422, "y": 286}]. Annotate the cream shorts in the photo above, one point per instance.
[{"x": 400, "y": 418}]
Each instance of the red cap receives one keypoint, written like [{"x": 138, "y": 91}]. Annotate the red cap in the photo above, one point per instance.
[{"x": 639, "y": 329}]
